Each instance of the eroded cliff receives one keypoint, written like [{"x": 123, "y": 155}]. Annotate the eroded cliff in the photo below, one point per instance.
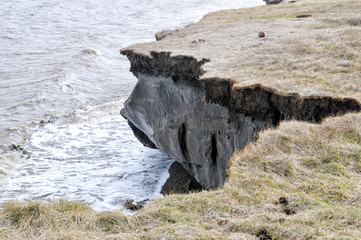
[
  {"x": 200, "y": 123},
  {"x": 206, "y": 90},
  {"x": 179, "y": 122}
]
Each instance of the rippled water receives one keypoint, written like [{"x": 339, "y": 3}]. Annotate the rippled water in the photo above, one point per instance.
[
  {"x": 92, "y": 157},
  {"x": 62, "y": 84}
]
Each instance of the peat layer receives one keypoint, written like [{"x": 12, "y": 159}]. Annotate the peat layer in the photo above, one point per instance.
[
  {"x": 206, "y": 90},
  {"x": 201, "y": 122},
  {"x": 256, "y": 101}
]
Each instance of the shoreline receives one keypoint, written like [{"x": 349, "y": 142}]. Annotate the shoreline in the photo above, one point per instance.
[
  {"x": 258, "y": 82},
  {"x": 296, "y": 180}
]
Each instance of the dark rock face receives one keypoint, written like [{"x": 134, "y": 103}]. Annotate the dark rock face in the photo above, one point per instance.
[
  {"x": 141, "y": 136},
  {"x": 175, "y": 117},
  {"x": 163, "y": 64},
  {"x": 272, "y": 1},
  {"x": 180, "y": 181},
  {"x": 201, "y": 122},
  {"x": 268, "y": 105}
]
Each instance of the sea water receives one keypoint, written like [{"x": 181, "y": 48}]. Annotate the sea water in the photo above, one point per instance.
[{"x": 62, "y": 84}]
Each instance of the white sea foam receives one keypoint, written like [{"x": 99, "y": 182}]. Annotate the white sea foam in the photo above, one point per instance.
[
  {"x": 91, "y": 159},
  {"x": 92, "y": 51},
  {"x": 8, "y": 162},
  {"x": 63, "y": 82}
]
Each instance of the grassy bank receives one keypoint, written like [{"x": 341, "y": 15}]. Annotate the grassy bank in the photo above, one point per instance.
[{"x": 299, "y": 181}]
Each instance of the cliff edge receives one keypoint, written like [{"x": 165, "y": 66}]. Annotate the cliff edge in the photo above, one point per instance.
[
  {"x": 208, "y": 89},
  {"x": 299, "y": 181}
]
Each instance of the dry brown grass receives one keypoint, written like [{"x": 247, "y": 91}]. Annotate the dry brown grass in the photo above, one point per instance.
[
  {"x": 320, "y": 55},
  {"x": 317, "y": 56},
  {"x": 300, "y": 181},
  {"x": 287, "y": 9},
  {"x": 323, "y": 61}
]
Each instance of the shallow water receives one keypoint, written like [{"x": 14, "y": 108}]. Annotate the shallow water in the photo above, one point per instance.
[
  {"x": 93, "y": 157},
  {"x": 62, "y": 84}
]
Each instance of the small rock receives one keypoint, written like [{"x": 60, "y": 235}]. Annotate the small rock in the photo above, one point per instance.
[
  {"x": 261, "y": 34},
  {"x": 264, "y": 235},
  {"x": 222, "y": 222},
  {"x": 283, "y": 201},
  {"x": 272, "y": 1},
  {"x": 15, "y": 148},
  {"x": 131, "y": 206},
  {"x": 122, "y": 177},
  {"x": 289, "y": 211},
  {"x": 304, "y": 16}
]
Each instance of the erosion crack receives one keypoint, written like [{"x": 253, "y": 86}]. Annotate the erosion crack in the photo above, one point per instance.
[{"x": 201, "y": 125}]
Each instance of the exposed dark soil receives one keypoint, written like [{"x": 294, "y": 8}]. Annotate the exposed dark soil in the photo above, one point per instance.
[
  {"x": 162, "y": 64},
  {"x": 180, "y": 181},
  {"x": 257, "y": 101}
]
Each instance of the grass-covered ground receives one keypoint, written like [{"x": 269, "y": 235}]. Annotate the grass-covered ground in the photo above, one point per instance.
[
  {"x": 299, "y": 181},
  {"x": 315, "y": 56}
]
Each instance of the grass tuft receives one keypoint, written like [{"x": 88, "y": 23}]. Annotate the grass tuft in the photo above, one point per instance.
[
  {"x": 28, "y": 213},
  {"x": 354, "y": 22}
]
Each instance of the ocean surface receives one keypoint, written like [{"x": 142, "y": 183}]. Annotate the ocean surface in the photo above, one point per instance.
[{"x": 62, "y": 85}]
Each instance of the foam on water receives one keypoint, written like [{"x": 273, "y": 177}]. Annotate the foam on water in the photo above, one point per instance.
[
  {"x": 7, "y": 164},
  {"x": 62, "y": 84},
  {"x": 95, "y": 158}
]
